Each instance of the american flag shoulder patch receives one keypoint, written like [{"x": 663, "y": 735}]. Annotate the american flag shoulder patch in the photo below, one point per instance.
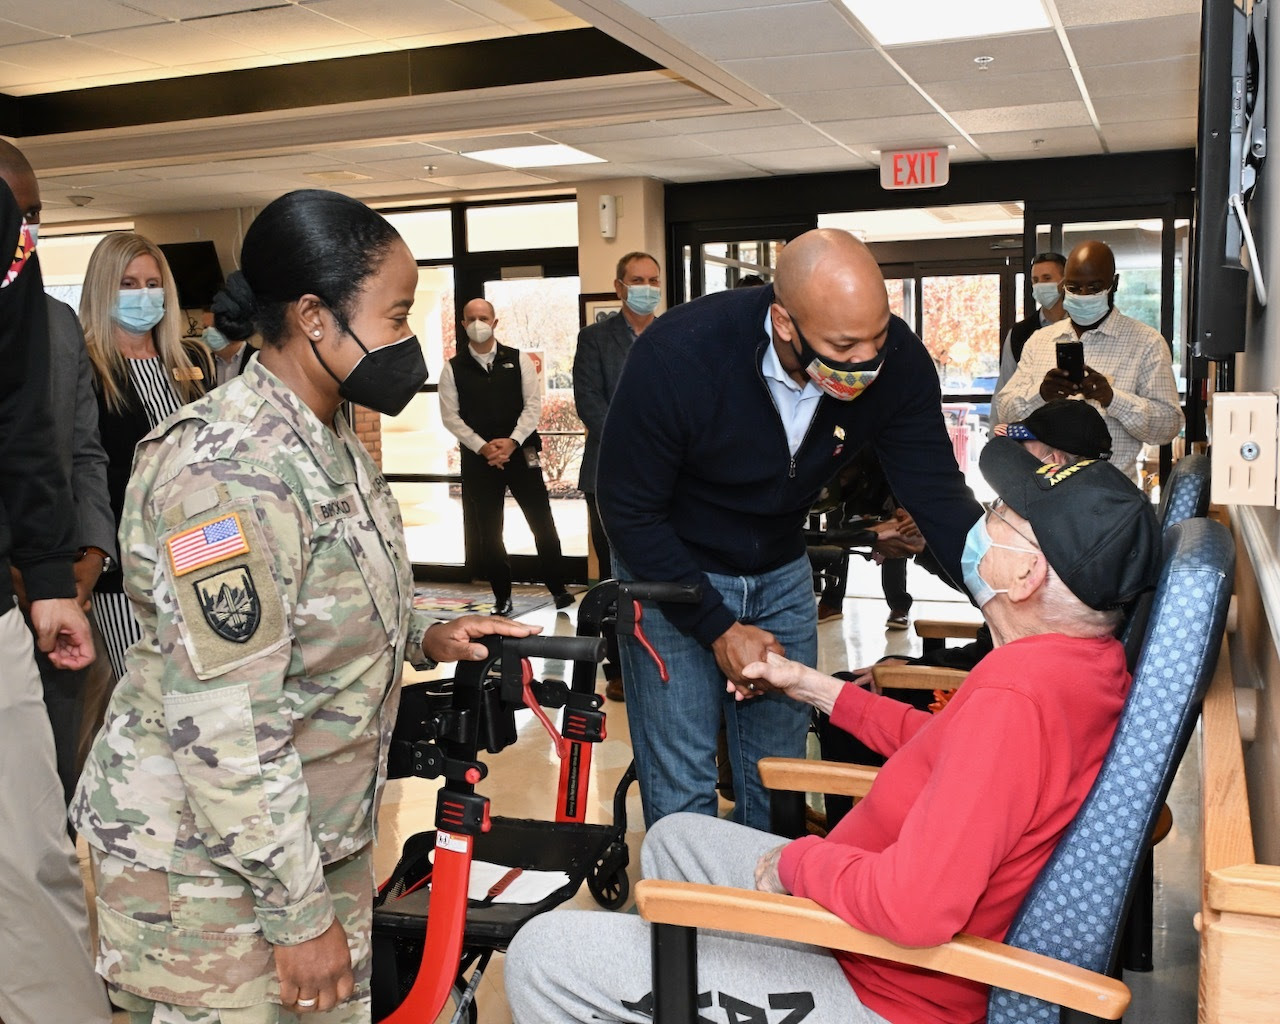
[{"x": 210, "y": 542}]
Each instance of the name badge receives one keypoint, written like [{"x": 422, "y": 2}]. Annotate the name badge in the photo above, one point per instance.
[
  {"x": 334, "y": 508},
  {"x": 188, "y": 373}
]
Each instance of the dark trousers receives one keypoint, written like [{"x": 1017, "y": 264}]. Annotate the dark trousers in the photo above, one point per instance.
[
  {"x": 600, "y": 541},
  {"x": 893, "y": 580},
  {"x": 484, "y": 494}
]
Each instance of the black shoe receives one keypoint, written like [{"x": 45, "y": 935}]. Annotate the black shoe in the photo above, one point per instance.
[
  {"x": 506, "y": 609},
  {"x": 563, "y": 598}
]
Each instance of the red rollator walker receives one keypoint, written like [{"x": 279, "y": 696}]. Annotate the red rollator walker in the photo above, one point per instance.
[{"x": 431, "y": 925}]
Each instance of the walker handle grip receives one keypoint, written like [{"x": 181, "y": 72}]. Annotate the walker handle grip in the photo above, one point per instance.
[
  {"x": 674, "y": 593},
  {"x": 564, "y": 648}
]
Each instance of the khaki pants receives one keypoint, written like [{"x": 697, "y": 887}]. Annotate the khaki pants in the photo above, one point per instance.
[{"x": 45, "y": 971}]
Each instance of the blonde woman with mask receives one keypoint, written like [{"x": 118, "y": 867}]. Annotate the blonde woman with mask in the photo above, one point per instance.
[{"x": 144, "y": 371}]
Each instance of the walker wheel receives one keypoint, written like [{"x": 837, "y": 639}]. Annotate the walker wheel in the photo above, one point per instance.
[{"x": 610, "y": 891}]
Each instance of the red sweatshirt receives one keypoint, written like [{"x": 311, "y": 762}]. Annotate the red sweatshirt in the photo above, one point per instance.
[{"x": 964, "y": 814}]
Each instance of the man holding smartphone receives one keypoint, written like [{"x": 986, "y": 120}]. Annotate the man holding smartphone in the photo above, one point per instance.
[{"x": 1120, "y": 365}]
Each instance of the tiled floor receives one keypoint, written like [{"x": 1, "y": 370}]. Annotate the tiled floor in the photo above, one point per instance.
[{"x": 523, "y": 779}]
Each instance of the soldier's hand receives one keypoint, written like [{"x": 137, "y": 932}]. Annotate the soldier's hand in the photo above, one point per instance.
[
  {"x": 1096, "y": 387},
  {"x": 62, "y": 632},
  {"x": 1057, "y": 384},
  {"x": 451, "y": 641},
  {"x": 315, "y": 975},
  {"x": 739, "y": 646}
]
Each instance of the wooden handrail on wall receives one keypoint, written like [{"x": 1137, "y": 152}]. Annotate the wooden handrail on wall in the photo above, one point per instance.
[{"x": 1239, "y": 918}]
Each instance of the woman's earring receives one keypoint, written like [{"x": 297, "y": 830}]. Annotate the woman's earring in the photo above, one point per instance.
[{"x": 317, "y": 332}]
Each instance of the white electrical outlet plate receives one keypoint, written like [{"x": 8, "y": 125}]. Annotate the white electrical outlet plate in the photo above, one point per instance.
[{"x": 1244, "y": 448}]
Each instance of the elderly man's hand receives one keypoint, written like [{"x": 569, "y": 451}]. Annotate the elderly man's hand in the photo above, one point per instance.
[
  {"x": 797, "y": 681},
  {"x": 739, "y": 646},
  {"x": 62, "y": 632},
  {"x": 1096, "y": 388},
  {"x": 1057, "y": 384},
  {"x": 451, "y": 641},
  {"x": 767, "y": 879}
]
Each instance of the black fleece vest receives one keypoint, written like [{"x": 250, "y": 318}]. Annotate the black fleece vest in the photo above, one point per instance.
[{"x": 490, "y": 403}]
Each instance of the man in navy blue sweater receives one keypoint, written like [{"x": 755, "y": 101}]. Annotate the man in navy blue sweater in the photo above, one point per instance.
[{"x": 732, "y": 412}]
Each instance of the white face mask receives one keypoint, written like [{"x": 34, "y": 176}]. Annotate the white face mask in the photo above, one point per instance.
[
  {"x": 1046, "y": 294},
  {"x": 479, "y": 332}
]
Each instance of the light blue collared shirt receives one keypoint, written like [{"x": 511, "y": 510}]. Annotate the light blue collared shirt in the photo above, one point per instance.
[{"x": 796, "y": 405}]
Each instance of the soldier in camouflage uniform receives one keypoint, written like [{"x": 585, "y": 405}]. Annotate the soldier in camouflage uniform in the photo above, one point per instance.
[{"x": 230, "y": 799}]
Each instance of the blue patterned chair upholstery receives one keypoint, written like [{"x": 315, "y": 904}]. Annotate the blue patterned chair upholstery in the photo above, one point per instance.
[
  {"x": 1074, "y": 913},
  {"x": 1076, "y": 908},
  {"x": 1185, "y": 495}
]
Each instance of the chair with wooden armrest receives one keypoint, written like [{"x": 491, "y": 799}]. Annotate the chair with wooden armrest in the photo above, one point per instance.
[{"x": 1073, "y": 915}]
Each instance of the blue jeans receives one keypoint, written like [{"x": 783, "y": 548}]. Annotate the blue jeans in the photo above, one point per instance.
[{"x": 674, "y": 725}]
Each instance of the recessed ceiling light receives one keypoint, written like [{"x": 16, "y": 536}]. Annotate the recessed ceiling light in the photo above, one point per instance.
[
  {"x": 534, "y": 156},
  {"x": 928, "y": 21},
  {"x": 337, "y": 177}
]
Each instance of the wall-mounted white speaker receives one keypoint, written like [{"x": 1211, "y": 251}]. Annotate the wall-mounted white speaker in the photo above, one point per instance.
[{"x": 608, "y": 216}]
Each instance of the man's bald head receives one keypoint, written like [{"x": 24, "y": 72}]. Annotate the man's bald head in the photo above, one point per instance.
[
  {"x": 16, "y": 172},
  {"x": 1090, "y": 261},
  {"x": 829, "y": 283},
  {"x": 479, "y": 309}
]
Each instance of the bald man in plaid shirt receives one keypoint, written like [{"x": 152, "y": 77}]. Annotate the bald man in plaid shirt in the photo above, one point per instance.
[{"x": 1128, "y": 366}]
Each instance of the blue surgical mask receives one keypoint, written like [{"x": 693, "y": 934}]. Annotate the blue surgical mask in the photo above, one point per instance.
[
  {"x": 1046, "y": 294},
  {"x": 977, "y": 543},
  {"x": 1086, "y": 310},
  {"x": 214, "y": 340},
  {"x": 138, "y": 310},
  {"x": 643, "y": 298}
]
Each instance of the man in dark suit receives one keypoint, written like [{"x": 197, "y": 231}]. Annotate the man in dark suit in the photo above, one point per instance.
[
  {"x": 82, "y": 460},
  {"x": 597, "y": 365}
]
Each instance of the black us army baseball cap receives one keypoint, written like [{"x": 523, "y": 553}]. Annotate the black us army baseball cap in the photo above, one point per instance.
[{"x": 1097, "y": 530}]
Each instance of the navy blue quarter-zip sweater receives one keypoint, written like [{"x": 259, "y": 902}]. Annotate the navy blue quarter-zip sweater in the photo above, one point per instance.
[{"x": 695, "y": 473}]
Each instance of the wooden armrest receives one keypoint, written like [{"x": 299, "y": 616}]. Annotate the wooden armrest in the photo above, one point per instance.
[
  {"x": 917, "y": 677},
  {"x": 943, "y": 629},
  {"x": 802, "y": 920},
  {"x": 799, "y": 775},
  {"x": 1227, "y": 830}
]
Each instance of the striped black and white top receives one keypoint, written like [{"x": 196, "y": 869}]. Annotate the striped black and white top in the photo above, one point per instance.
[{"x": 111, "y": 611}]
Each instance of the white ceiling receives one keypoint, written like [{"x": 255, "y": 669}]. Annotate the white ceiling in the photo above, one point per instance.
[{"x": 753, "y": 88}]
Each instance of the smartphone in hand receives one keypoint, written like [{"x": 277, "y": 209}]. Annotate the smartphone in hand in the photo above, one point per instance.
[{"x": 1071, "y": 359}]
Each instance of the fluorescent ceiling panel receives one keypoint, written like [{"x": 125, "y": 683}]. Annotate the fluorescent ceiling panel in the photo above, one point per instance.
[
  {"x": 929, "y": 21},
  {"x": 534, "y": 156}
]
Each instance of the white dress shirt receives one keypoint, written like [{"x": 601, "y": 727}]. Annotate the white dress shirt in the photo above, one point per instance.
[
  {"x": 530, "y": 389},
  {"x": 796, "y": 404},
  {"x": 1136, "y": 361}
]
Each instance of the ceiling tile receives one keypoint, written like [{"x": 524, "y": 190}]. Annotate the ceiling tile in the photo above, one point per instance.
[
  {"x": 73, "y": 17},
  {"x": 445, "y": 165},
  {"x": 561, "y": 24},
  {"x": 472, "y": 144},
  {"x": 794, "y": 29},
  {"x": 1154, "y": 39},
  {"x": 858, "y": 69},
  {"x": 1027, "y": 117},
  {"x": 1173, "y": 75},
  {"x": 757, "y": 140},
  {"x": 11, "y": 32},
  {"x": 925, "y": 129},
  {"x": 1149, "y": 105},
  {"x": 391, "y": 151},
  {"x": 1096, "y": 12},
  {"x": 953, "y": 61},
  {"x": 800, "y": 161},
  {"x": 1040, "y": 143},
  {"x": 611, "y": 132},
  {"x": 1139, "y": 135},
  {"x": 508, "y": 11},
  {"x": 391, "y": 19},
  {"x": 494, "y": 179},
  {"x": 706, "y": 169},
  {"x": 171, "y": 45},
  {"x": 991, "y": 89},
  {"x": 402, "y": 187},
  {"x": 17, "y": 80},
  {"x": 838, "y": 104},
  {"x": 180, "y": 10},
  {"x": 663, "y": 8},
  {"x": 284, "y": 29},
  {"x": 669, "y": 147},
  {"x": 69, "y": 59}
]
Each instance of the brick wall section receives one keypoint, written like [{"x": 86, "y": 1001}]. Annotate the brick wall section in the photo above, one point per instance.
[{"x": 368, "y": 426}]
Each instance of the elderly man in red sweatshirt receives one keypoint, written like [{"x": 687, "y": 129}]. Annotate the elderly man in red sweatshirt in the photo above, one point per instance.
[{"x": 967, "y": 809}]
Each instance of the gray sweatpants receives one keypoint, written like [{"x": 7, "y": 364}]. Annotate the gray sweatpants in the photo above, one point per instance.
[
  {"x": 583, "y": 965},
  {"x": 46, "y": 973}
]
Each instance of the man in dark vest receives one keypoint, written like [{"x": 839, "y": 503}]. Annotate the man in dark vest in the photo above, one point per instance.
[
  {"x": 491, "y": 400},
  {"x": 1046, "y": 287}
]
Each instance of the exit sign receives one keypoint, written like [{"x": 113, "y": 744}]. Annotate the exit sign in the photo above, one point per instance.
[{"x": 915, "y": 168}]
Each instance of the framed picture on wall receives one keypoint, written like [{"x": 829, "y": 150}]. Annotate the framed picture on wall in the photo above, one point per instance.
[{"x": 595, "y": 306}]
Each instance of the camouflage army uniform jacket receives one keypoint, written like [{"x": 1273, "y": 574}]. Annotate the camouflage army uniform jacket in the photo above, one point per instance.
[{"x": 265, "y": 559}]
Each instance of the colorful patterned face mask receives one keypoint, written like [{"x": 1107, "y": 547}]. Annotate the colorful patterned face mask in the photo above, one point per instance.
[
  {"x": 26, "y": 246},
  {"x": 842, "y": 381}
]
